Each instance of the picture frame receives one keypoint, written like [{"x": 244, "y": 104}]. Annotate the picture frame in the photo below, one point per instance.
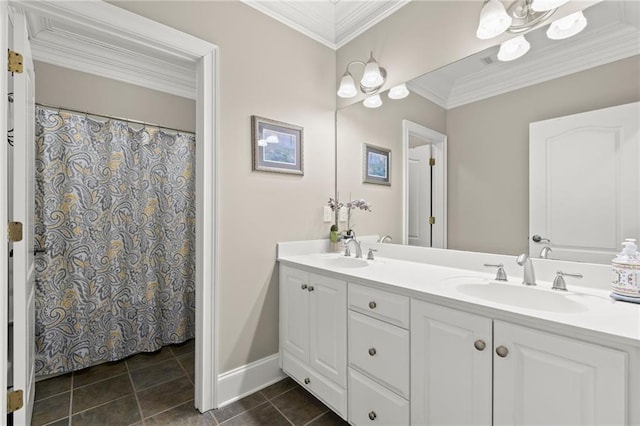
[
  {"x": 376, "y": 165},
  {"x": 276, "y": 146}
]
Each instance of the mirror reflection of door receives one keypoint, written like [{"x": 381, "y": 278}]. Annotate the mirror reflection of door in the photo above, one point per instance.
[
  {"x": 584, "y": 176},
  {"x": 420, "y": 194},
  {"x": 425, "y": 186}
]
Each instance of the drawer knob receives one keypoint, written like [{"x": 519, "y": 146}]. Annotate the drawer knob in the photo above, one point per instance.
[
  {"x": 480, "y": 344},
  {"x": 502, "y": 351},
  {"x": 372, "y": 351},
  {"x": 311, "y": 288},
  {"x": 372, "y": 415},
  {"x": 304, "y": 286},
  {"x": 307, "y": 381},
  {"x": 372, "y": 305}
]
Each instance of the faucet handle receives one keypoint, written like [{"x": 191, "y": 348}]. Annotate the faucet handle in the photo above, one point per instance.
[
  {"x": 370, "y": 254},
  {"x": 559, "y": 282},
  {"x": 501, "y": 275}
]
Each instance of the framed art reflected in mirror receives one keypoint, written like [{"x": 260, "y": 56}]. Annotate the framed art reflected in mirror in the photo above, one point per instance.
[
  {"x": 376, "y": 165},
  {"x": 277, "y": 146}
]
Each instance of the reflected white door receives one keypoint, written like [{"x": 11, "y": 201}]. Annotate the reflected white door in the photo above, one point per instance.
[
  {"x": 23, "y": 211},
  {"x": 419, "y": 196},
  {"x": 584, "y": 183}
]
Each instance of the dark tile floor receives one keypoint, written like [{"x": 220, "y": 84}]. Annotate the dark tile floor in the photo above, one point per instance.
[{"x": 157, "y": 389}]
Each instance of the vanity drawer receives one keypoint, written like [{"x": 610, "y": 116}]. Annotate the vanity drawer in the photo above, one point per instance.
[
  {"x": 380, "y": 350},
  {"x": 372, "y": 404},
  {"x": 327, "y": 391},
  {"x": 389, "y": 307}
]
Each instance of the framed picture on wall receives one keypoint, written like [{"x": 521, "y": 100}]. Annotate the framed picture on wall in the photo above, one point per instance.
[
  {"x": 376, "y": 165},
  {"x": 277, "y": 147}
]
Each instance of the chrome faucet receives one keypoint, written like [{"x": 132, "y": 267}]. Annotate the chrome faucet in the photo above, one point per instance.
[
  {"x": 559, "y": 283},
  {"x": 358, "y": 248},
  {"x": 544, "y": 253},
  {"x": 529, "y": 276},
  {"x": 501, "y": 275},
  {"x": 384, "y": 238}
]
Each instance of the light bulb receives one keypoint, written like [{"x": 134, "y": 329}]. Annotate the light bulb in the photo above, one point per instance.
[
  {"x": 373, "y": 101},
  {"x": 567, "y": 27},
  {"x": 544, "y": 5},
  {"x": 494, "y": 20},
  {"x": 398, "y": 92},
  {"x": 347, "y": 86},
  {"x": 513, "y": 49},
  {"x": 372, "y": 76}
]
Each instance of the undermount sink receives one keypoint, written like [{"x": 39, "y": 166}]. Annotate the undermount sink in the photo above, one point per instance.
[
  {"x": 521, "y": 296},
  {"x": 345, "y": 262}
]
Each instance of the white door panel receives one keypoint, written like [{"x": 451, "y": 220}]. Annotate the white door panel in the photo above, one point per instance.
[
  {"x": 294, "y": 321},
  {"x": 23, "y": 211},
  {"x": 585, "y": 183},
  {"x": 419, "y": 196}
]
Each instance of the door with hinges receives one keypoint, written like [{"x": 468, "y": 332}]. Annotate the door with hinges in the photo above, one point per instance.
[
  {"x": 18, "y": 193},
  {"x": 420, "y": 196}
]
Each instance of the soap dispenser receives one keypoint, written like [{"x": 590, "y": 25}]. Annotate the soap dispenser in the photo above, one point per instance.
[{"x": 626, "y": 273}]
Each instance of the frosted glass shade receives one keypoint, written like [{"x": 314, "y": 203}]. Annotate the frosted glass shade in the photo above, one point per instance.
[
  {"x": 567, "y": 27},
  {"x": 347, "y": 86},
  {"x": 513, "y": 49},
  {"x": 372, "y": 76},
  {"x": 494, "y": 20},
  {"x": 373, "y": 101},
  {"x": 398, "y": 92},
  {"x": 544, "y": 5}
]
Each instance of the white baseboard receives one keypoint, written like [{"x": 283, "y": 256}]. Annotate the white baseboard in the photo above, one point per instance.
[{"x": 247, "y": 379}]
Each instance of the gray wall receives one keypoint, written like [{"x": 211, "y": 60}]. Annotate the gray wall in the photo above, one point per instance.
[
  {"x": 86, "y": 92},
  {"x": 488, "y": 152}
]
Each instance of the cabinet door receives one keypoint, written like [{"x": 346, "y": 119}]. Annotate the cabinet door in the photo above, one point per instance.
[
  {"x": 294, "y": 312},
  {"x": 552, "y": 380},
  {"x": 450, "y": 376},
  {"x": 328, "y": 328}
]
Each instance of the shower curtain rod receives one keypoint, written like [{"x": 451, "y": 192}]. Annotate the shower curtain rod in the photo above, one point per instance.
[{"x": 113, "y": 117}]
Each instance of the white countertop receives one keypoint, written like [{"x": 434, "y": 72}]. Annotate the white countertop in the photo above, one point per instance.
[{"x": 581, "y": 311}]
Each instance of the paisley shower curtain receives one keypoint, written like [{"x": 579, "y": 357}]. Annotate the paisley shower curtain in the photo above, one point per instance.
[{"x": 115, "y": 209}]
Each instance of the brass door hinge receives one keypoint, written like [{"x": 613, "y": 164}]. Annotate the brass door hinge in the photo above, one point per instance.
[
  {"x": 14, "y": 62},
  {"x": 432, "y": 162},
  {"x": 15, "y": 231},
  {"x": 15, "y": 401},
  {"x": 432, "y": 220}
]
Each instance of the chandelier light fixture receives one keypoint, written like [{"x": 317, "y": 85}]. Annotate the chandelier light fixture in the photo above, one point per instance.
[
  {"x": 519, "y": 18},
  {"x": 373, "y": 78}
]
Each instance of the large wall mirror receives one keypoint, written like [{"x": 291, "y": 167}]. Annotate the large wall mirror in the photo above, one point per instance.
[{"x": 483, "y": 108}]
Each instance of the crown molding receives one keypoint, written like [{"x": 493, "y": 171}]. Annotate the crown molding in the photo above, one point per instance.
[
  {"x": 53, "y": 45},
  {"x": 351, "y": 21},
  {"x": 603, "y": 47},
  {"x": 333, "y": 23}
]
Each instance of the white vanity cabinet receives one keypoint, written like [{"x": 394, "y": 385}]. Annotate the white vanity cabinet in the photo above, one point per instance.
[
  {"x": 379, "y": 353},
  {"x": 538, "y": 378},
  {"x": 313, "y": 334}
]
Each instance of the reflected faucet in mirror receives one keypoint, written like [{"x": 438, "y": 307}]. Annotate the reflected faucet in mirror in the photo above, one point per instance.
[{"x": 384, "y": 239}]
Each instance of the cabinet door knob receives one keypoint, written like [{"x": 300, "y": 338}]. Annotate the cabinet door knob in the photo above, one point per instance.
[
  {"x": 502, "y": 351},
  {"x": 372, "y": 415},
  {"x": 307, "y": 381},
  {"x": 311, "y": 288},
  {"x": 372, "y": 351},
  {"x": 304, "y": 286},
  {"x": 480, "y": 344},
  {"x": 372, "y": 305}
]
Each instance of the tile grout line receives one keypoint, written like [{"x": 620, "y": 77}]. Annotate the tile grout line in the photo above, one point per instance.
[
  {"x": 281, "y": 413},
  {"x": 316, "y": 418},
  {"x": 71, "y": 399},
  {"x": 241, "y": 413},
  {"x": 135, "y": 393}
]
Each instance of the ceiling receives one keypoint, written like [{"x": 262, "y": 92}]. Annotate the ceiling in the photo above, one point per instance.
[
  {"x": 331, "y": 22},
  {"x": 612, "y": 33}
]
